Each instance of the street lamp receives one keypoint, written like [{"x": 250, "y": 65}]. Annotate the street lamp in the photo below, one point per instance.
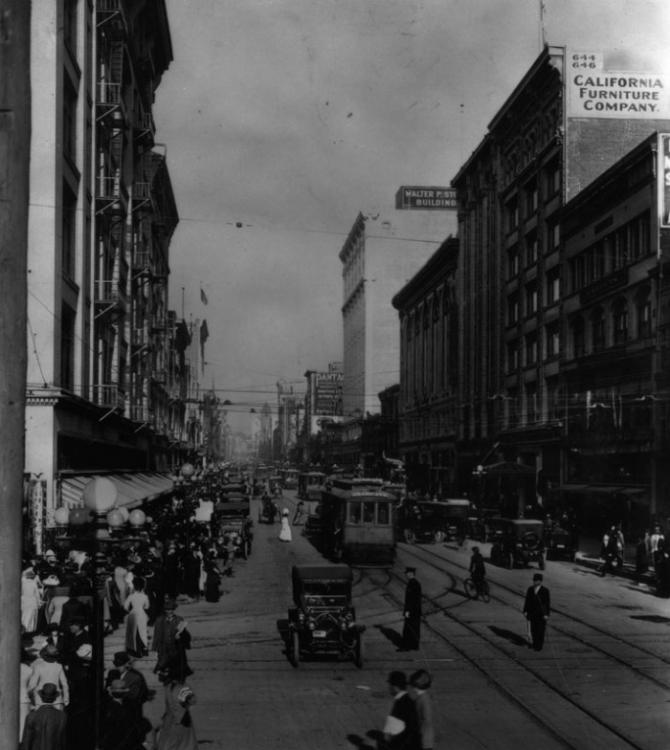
[{"x": 94, "y": 528}]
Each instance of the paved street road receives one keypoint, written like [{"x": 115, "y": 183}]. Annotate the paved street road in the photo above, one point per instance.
[{"x": 490, "y": 690}]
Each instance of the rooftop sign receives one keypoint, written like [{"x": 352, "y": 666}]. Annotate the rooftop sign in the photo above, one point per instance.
[
  {"x": 425, "y": 198},
  {"x": 594, "y": 91}
]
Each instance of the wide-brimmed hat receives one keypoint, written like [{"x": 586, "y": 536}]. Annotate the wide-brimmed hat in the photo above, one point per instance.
[
  {"x": 51, "y": 580},
  {"x": 48, "y": 692},
  {"x": 120, "y": 658},
  {"x": 50, "y": 555},
  {"x": 49, "y": 652}
]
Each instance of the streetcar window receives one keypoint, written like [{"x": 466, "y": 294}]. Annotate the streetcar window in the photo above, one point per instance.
[
  {"x": 368, "y": 512},
  {"x": 354, "y": 512},
  {"x": 382, "y": 513}
]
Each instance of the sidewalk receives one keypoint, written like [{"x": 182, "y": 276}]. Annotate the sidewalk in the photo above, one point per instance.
[{"x": 588, "y": 555}]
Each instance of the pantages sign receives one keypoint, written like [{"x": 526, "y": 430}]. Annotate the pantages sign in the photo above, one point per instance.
[{"x": 594, "y": 91}]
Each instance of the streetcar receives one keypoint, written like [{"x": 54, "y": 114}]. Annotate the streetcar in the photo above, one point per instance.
[
  {"x": 290, "y": 478},
  {"x": 310, "y": 484},
  {"x": 357, "y": 522}
]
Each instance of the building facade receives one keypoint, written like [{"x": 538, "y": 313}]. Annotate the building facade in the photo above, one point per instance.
[
  {"x": 102, "y": 214},
  {"x": 428, "y": 408},
  {"x": 566, "y": 122},
  {"x": 378, "y": 257}
]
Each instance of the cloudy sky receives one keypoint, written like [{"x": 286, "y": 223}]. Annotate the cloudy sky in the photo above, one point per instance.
[{"x": 285, "y": 118}]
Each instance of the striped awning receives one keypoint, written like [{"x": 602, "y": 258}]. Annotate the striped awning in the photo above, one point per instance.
[{"x": 134, "y": 488}]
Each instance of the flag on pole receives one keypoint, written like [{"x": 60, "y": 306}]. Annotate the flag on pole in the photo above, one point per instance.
[
  {"x": 204, "y": 335},
  {"x": 203, "y": 296}
]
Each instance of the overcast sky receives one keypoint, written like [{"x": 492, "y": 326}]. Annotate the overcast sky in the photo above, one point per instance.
[{"x": 290, "y": 116}]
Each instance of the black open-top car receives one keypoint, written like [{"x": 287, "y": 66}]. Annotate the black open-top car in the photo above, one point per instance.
[
  {"x": 516, "y": 542},
  {"x": 323, "y": 619}
]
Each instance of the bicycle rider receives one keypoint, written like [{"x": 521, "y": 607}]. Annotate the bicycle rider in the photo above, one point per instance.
[{"x": 477, "y": 568}]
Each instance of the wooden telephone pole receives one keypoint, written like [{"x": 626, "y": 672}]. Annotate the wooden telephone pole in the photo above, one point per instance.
[{"x": 14, "y": 173}]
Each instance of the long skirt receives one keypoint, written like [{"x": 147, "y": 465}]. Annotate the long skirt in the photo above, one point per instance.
[{"x": 136, "y": 633}]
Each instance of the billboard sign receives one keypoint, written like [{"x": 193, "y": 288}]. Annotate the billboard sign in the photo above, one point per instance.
[
  {"x": 663, "y": 173},
  {"x": 594, "y": 91},
  {"x": 418, "y": 198}
]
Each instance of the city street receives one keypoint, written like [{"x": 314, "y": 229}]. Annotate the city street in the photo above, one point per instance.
[{"x": 603, "y": 673}]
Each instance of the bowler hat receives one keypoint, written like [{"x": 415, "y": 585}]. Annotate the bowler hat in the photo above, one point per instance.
[
  {"x": 537, "y": 577},
  {"x": 410, "y": 570},
  {"x": 49, "y": 652},
  {"x": 118, "y": 687},
  {"x": 120, "y": 658},
  {"x": 48, "y": 692}
]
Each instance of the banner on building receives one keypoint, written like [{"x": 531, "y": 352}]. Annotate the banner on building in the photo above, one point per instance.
[
  {"x": 594, "y": 91},
  {"x": 417, "y": 198}
]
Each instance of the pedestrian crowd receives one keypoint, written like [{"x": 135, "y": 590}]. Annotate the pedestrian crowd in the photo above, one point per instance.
[{"x": 137, "y": 588}]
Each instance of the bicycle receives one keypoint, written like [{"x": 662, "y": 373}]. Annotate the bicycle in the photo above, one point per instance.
[{"x": 477, "y": 590}]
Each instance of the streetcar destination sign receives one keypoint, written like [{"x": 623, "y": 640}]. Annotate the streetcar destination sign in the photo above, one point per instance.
[{"x": 425, "y": 198}]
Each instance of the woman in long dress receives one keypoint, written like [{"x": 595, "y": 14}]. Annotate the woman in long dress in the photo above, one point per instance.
[
  {"x": 137, "y": 606},
  {"x": 177, "y": 731},
  {"x": 31, "y": 600},
  {"x": 285, "y": 531}
]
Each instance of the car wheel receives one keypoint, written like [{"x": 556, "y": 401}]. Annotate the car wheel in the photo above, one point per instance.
[
  {"x": 294, "y": 649},
  {"x": 439, "y": 537},
  {"x": 358, "y": 652}
]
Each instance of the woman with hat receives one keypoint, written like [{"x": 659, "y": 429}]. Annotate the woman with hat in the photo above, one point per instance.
[
  {"x": 177, "y": 731},
  {"x": 285, "y": 531},
  {"x": 31, "y": 600},
  {"x": 47, "y": 669},
  {"x": 137, "y": 606}
]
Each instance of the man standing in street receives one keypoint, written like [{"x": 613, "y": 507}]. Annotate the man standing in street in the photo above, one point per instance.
[
  {"x": 412, "y": 613},
  {"x": 536, "y": 608},
  {"x": 45, "y": 727},
  {"x": 138, "y": 692},
  {"x": 401, "y": 726}
]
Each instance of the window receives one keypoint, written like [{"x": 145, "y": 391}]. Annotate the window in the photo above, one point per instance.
[
  {"x": 553, "y": 285},
  {"x": 512, "y": 214},
  {"x": 643, "y": 317},
  {"x": 368, "y": 512},
  {"x": 531, "y": 349},
  {"x": 70, "y": 25},
  {"x": 69, "y": 121},
  {"x": 552, "y": 178},
  {"x": 553, "y": 235},
  {"x": 598, "y": 329},
  {"x": 67, "y": 348},
  {"x": 354, "y": 512},
  {"x": 578, "y": 337},
  {"x": 532, "y": 248},
  {"x": 68, "y": 224},
  {"x": 577, "y": 273},
  {"x": 512, "y": 355},
  {"x": 552, "y": 340},
  {"x": 531, "y": 299},
  {"x": 512, "y": 309},
  {"x": 512, "y": 262},
  {"x": 383, "y": 513},
  {"x": 620, "y": 309},
  {"x": 553, "y": 399},
  {"x": 531, "y": 197}
]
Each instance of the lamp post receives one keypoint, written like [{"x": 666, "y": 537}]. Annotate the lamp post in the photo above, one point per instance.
[{"x": 95, "y": 528}]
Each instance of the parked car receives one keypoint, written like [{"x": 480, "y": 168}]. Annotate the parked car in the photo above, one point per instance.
[
  {"x": 560, "y": 543},
  {"x": 516, "y": 542},
  {"x": 323, "y": 619},
  {"x": 432, "y": 520}
]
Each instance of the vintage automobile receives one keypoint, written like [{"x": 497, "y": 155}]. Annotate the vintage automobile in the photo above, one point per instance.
[
  {"x": 232, "y": 519},
  {"x": 516, "y": 542},
  {"x": 560, "y": 543},
  {"x": 323, "y": 619},
  {"x": 268, "y": 511},
  {"x": 432, "y": 520}
]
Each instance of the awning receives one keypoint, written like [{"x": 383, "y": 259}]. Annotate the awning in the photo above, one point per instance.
[
  {"x": 605, "y": 489},
  {"x": 134, "y": 488}
]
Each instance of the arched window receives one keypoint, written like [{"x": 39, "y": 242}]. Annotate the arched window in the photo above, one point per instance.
[
  {"x": 598, "y": 329},
  {"x": 620, "y": 320}
]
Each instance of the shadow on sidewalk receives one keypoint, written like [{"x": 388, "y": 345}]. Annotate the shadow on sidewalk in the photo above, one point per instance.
[{"x": 509, "y": 635}]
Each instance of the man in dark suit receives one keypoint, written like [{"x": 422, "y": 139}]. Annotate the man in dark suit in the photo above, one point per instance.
[
  {"x": 412, "y": 613},
  {"x": 536, "y": 608},
  {"x": 138, "y": 692},
  {"x": 45, "y": 727},
  {"x": 401, "y": 728}
]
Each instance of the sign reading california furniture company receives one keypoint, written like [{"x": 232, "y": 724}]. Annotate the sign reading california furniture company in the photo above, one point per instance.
[
  {"x": 425, "y": 198},
  {"x": 594, "y": 91}
]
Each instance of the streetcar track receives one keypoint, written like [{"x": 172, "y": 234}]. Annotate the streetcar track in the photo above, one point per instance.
[
  {"x": 569, "y": 634},
  {"x": 504, "y": 690}
]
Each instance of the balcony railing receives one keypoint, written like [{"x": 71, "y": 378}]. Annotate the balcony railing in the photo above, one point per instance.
[{"x": 108, "y": 395}]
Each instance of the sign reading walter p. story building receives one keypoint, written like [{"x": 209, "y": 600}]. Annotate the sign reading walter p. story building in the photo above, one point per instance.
[
  {"x": 594, "y": 91},
  {"x": 425, "y": 198}
]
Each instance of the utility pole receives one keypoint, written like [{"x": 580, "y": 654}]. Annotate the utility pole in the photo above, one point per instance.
[{"x": 14, "y": 173}]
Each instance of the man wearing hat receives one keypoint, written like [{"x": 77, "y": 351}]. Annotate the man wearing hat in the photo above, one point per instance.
[
  {"x": 171, "y": 640},
  {"x": 47, "y": 670},
  {"x": 536, "y": 608},
  {"x": 119, "y": 730},
  {"x": 45, "y": 728},
  {"x": 412, "y": 613},
  {"x": 137, "y": 690}
]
